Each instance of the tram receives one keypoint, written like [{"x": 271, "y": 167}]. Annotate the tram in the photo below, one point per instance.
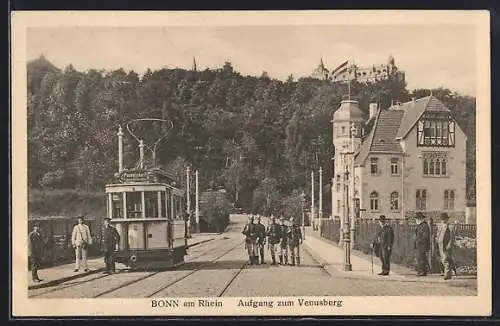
[{"x": 145, "y": 206}]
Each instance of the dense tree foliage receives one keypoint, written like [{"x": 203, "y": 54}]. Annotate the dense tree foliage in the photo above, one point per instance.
[{"x": 256, "y": 136}]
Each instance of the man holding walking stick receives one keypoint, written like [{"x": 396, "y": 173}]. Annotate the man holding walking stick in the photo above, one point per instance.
[{"x": 382, "y": 245}]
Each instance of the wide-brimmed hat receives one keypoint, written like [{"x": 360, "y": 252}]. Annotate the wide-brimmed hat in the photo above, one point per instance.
[
  {"x": 107, "y": 219},
  {"x": 36, "y": 224},
  {"x": 80, "y": 217},
  {"x": 382, "y": 218},
  {"x": 444, "y": 216}
]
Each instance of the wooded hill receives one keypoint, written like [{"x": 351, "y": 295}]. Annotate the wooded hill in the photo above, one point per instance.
[{"x": 255, "y": 136}]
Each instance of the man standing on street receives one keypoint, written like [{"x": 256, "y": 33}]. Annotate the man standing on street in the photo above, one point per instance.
[
  {"x": 250, "y": 237},
  {"x": 273, "y": 238},
  {"x": 81, "y": 239},
  {"x": 422, "y": 244},
  {"x": 283, "y": 242},
  {"x": 446, "y": 240},
  {"x": 382, "y": 244},
  {"x": 110, "y": 238},
  {"x": 36, "y": 249},
  {"x": 261, "y": 239},
  {"x": 294, "y": 240}
]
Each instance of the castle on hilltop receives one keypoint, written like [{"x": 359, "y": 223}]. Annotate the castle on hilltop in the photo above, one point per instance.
[{"x": 347, "y": 71}]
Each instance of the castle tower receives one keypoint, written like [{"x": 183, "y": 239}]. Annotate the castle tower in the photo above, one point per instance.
[{"x": 347, "y": 134}]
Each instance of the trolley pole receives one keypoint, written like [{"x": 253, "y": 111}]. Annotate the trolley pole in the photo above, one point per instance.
[
  {"x": 197, "y": 203},
  {"x": 188, "y": 202}
]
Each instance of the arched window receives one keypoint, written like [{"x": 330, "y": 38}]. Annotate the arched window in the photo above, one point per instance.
[
  {"x": 451, "y": 202},
  {"x": 446, "y": 198},
  {"x": 426, "y": 166},
  {"x": 394, "y": 201},
  {"x": 374, "y": 201}
]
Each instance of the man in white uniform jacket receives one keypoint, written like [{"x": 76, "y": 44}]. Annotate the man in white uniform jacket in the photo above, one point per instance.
[{"x": 81, "y": 239}]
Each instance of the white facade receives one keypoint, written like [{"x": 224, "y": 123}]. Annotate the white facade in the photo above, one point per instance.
[{"x": 412, "y": 159}]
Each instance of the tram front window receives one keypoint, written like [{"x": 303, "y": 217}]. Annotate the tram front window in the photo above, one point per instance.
[
  {"x": 151, "y": 202},
  {"x": 117, "y": 205},
  {"x": 134, "y": 205},
  {"x": 164, "y": 204}
]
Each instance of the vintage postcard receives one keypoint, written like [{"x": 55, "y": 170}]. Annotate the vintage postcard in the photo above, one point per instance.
[{"x": 251, "y": 163}]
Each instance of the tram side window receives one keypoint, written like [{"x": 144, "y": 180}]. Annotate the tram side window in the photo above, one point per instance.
[
  {"x": 163, "y": 205},
  {"x": 117, "y": 205},
  {"x": 151, "y": 202},
  {"x": 134, "y": 205}
]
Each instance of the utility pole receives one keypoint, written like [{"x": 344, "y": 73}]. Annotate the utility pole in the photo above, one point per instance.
[
  {"x": 141, "y": 154},
  {"x": 197, "y": 203},
  {"x": 302, "y": 199},
  {"x": 312, "y": 200},
  {"x": 188, "y": 200},
  {"x": 120, "y": 150},
  {"x": 320, "y": 212}
]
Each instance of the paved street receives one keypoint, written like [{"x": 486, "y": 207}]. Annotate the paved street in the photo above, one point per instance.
[{"x": 219, "y": 268}]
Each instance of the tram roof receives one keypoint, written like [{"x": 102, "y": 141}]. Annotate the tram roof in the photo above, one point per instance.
[{"x": 142, "y": 186}]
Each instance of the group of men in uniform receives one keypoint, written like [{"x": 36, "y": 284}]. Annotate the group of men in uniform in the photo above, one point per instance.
[
  {"x": 280, "y": 238},
  {"x": 445, "y": 239}
]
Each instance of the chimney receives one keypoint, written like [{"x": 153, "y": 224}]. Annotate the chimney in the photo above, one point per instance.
[{"x": 373, "y": 110}]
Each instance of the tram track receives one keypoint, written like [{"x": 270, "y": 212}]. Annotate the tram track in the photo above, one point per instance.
[
  {"x": 232, "y": 280},
  {"x": 177, "y": 280},
  {"x": 99, "y": 277}
]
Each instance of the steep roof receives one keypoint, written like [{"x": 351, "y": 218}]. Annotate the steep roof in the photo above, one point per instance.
[
  {"x": 348, "y": 110},
  {"x": 393, "y": 124},
  {"x": 413, "y": 112},
  {"x": 382, "y": 138}
]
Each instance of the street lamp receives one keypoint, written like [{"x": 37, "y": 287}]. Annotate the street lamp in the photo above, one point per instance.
[{"x": 346, "y": 229}]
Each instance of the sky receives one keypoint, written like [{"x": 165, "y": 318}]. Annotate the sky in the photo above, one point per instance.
[{"x": 431, "y": 55}]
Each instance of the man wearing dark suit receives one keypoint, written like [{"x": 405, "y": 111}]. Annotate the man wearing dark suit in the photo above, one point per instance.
[
  {"x": 382, "y": 244},
  {"x": 422, "y": 244},
  {"x": 36, "y": 250},
  {"x": 110, "y": 238}
]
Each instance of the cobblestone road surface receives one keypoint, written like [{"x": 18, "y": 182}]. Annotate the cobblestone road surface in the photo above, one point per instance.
[{"x": 219, "y": 268}]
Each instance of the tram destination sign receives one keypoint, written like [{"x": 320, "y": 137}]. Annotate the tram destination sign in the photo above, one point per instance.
[{"x": 137, "y": 176}]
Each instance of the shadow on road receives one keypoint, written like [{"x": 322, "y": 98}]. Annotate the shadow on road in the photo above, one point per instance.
[{"x": 221, "y": 265}]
